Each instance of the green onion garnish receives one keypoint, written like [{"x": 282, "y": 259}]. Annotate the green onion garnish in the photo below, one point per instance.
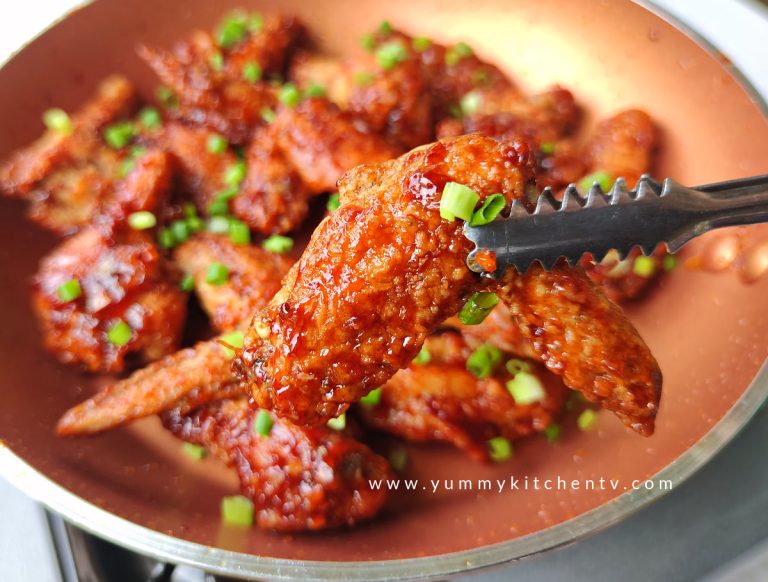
[
  {"x": 255, "y": 22},
  {"x": 252, "y": 72},
  {"x": 218, "y": 224},
  {"x": 195, "y": 452},
  {"x": 499, "y": 449},
  {"x": 141, "y": 220},
  {"x": 483, "y": 360},
  {"x": 267, "y": 115},
  {"x": 220, "y": 204},
  {"x": 385, "y": 27},
  {"x": 233, "y": 340},
  {"x": 333, "y": 202},
  {"x": 603, "y": 179},
  {"x": 166, "y": 96},
  {"x": 644, "y": 266},
  {"x": 526, "y": 389},
  {"x": 481, "y": 77},
  {"x": 477, "y": 308},
  {"x": 235, "y": 173},
  {"x": 218, "y": 274},
  {"x": 363, "y": 78},
  {"x": 669, "y": 262},
  {"x": 57, "y": 120},
  {"x": 237, "y": 510},
  {"x": 262, "y": 425},
  {"x": 216, "y": 60},
  {"x": 457, "y": 201},
  {"x": 423, "y": 357},
  {"x": 391, "y": 54},
  {"x": 372, "y": 398},
  {"x": 195, "y": 224},
  {"x": 457, "y": 52},
  {"x": 548, "y": 147},
  {"x": 231, "y": 31},
  {"x": 150, "y": 118},
  {"x": 552, "y": 432},
  {"x": 470, "y": 103},
  {"x": 338, "y": 423},
  {"x": 239, "y": 233},
  {"x": 187, "y": 283},
  {"x": 315, "y": 90},
  {"x": 289, "y": 95},
  {"x": 118, "y": 135},
  {"x": 587, "y": 420},
  {"x": 398, "y": 459},
  {"x": 180, "y": 230},
  {"x": 489, "y": 210},
  {"x": 126, "y": 167},
  {"x": 516, "y": 365},
  {"x": 69, "y": 291},
  {"x": 119, "y": 334},
  {"x": 216, "y": 144},
  {"x": 421, "y": 43},
  {"x": 165, "y": 238},
  {"x": 368, "y": 42},
  {"x": 278, "y": 244}
]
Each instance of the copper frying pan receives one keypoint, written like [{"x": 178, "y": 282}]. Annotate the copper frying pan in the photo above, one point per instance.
[{"x": 708, "y": 331}]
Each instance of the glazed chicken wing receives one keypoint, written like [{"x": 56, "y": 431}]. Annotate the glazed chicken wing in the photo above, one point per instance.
[
  {"x": 442, "y": 401},
  {"x": 298, "y": 478},
  {"x": 103, "y": 294},
  {"x": 385, "y": 270}
]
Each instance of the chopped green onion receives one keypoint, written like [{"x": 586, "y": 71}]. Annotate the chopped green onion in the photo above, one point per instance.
[
  {"x": 195, "y": 452},
  {"x": 398, "y": 459},
  {"x": 189, "y": 209},
  {"x": 499, "y": 449},
  {"x": 278, "y": 244},
  {"x": 333, "y": 202},
  {"x": 165, "y": 238},
  {"x": 233, "y": 340},
  {"x": 603, "y": 179},
  {"x": 481, "y": 77},
  {"x": 454, "y": 110},
  {"x": 216, "y": 60},
  {"x": 385, "y": 27},
  {"x": 195, "y": 224},
  {"x": 315, "y": 90},
  {"x": 166, "y": 96},
  {"x": 218, "y": 274},
  {"x": 587, "y": 420},
  {"x": 239, "y": 233},
  {"x": 368, "y": 42},
  {"x": 669, "y": 262},
  {"x": 220, "y": 204},
  {"x": 118, "y": 135},
  {"x": 126, "y": 167},
  {"x": 457, "y": 201},
  {"x": 150, "y": 118},
  {"x": 363, "y": 78},
  {"x": 489, "y": 210},
  {"x": 187, "y": 283},
  {"x": 547, "y": 147},
  {"x": 69, "y": 291},
  {"x": 338, "y": 423},
  {"x": 289, "y": 95},
  {"x": 483, "y": 360},
  {"x": 372, "y": 398},
  {"x": 216, "y": 144},
  {"x": 255, "y": 22},
  {"x": 57, "y": 120},
  {"x": 421, "y": 43},
  {"x": 235, "y": 173},
  {"x": 267, "y": 115},
  {"x": 237, "y": 510},
  {"x": 391, "y": 54},
  {"x": 526, "y": 389},
  {"x": 141, "y": 220},
  {"x": 644, "y": 266},
  {"x": 252, "y": 72},
  {"x": 120, "y": 333},
  {"x": 516, "y": 365},
  {"x": 477, "y": 308},
  {"x": 457, "y": 52},
  {"x": 180, "y": 230},
  {"x": 218, "y": 224},
  {"x": 262, "y": 426},
  {"x": 423, "y": 357},
  {"x": 470, "y": 103},
  {"x": 552, "y": 432},
  {"x": 231, "y": 31}
]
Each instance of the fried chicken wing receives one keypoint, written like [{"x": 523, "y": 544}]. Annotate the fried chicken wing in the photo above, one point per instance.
[
  {"x": 254, "y": 277},
  {"x": 114, "y": 279},
  {"x": 442, "y": 401},
  {"x": 299, "y": 479},
  {"x": 385, "y": 270}
]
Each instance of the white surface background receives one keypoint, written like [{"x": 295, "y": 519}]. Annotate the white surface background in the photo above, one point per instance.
[{"x": 739, "y": 28}]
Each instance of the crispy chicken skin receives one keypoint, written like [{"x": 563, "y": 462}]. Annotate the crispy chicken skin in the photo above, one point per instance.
[
  {"x": 219, "y": 97},
  {"x": 385, "y": 270},
  {"x": 299, "y": 478},
  {"x": 122, "y": 277},
  {"x": 254, "y": 277},
  {"x": 72, "y": 179},
  {"x": 442, "y": 401}
]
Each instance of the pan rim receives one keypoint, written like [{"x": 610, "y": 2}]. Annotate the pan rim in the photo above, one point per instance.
[{"x": 225, "y": 562}]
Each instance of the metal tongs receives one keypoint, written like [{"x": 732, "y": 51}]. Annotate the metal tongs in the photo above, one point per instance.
[{"x": 619, "y": 219}]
